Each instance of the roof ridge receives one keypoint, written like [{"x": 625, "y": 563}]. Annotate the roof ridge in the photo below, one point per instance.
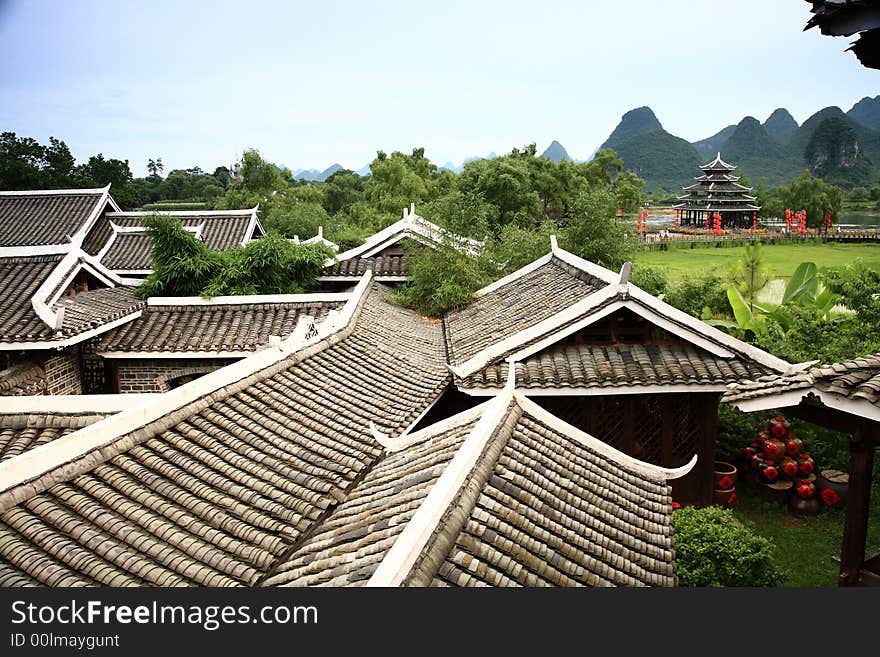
[
  {"x": 34, "y": 471},
  {"x": 55, "y": 192},
  {"x": 406, "y": 553}
]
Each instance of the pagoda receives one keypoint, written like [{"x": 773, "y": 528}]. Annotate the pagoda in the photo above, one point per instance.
[{"x": 717, "y": 190}]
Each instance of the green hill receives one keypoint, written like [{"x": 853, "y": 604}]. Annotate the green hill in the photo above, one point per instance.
[
  {"x": 866, "y": 112},
  {"x": 664, "y": 161},
  {"x": 835, "y": 154},
  {"x": 635, "y": 122},
  {"x": 780, "y": 124},
  {"x": 758, "y": 155},
  {"x": 556, "y": 152},
  {"x": 708, "y": 147}
]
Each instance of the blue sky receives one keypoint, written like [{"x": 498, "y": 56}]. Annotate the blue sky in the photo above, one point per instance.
[{"x": 310, "y": 84}]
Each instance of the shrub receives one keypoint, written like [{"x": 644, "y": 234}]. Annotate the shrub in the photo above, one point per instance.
[
  {"x": 712, "y": 549},
  {"x": 703, "y": 295},
  {"x": 651, "y": 279},
  {"x": 736, "y": 430},
  {"x": 440, "y": 280}
]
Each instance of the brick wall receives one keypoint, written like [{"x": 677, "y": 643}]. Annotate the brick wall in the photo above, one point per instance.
[
  {"x": 62, "y": 374},
  {"x": 157, "y": 375}
]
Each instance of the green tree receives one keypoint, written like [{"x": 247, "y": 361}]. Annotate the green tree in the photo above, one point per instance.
[
  {"x": 593, "y": 232},
  {"x": 259, "y": 182},
  {"x": 628, "y": 192},
  {"x": 341, "y": 190},
  {"x": 806, "y": 192},
  {"x": 182, "y": 265}
]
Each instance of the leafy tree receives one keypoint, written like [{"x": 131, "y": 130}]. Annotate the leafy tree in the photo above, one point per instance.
[
  {"x": 259, "y": 182},
  {"x": 628, "y": 192},
  {"x": 516, "y": 247},
  {"x": 155, "y": 167},
  {"x": 27, "y": 164},
  {"x": 99, "y": 171},
  {"x": 461, "y": 213},
  {"x": 814, "y": 195},
  {"x": 859, "y": 195},
  {"x": 291, "y": 217},
  {"x": 341, "y": 190},
  {"x": 652, "y": 280},
  {"x": 593, "y": 232}
]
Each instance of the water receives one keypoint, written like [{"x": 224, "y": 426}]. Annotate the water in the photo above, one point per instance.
[{"x": 859, "y": 220}]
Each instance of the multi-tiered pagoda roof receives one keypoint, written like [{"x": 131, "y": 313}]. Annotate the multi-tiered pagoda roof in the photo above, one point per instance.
[{"x": 717, "y": 190}]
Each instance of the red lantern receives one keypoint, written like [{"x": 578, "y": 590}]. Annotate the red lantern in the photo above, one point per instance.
[
  {"x": 755, "y": 220},
  {"x": 793, "y": 445}
]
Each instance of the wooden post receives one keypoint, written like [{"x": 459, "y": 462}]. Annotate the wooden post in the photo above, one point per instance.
[
  {"x": 706, "y": 456},
  {"x": 855, "y": 528}
]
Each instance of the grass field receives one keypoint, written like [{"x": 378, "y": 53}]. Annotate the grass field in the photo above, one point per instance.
[
  {"x": 781, "y": 259},
  {"x": 804, "y": 546}
]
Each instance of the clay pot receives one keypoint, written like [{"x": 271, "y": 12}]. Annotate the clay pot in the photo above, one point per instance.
[
  {"x": 778, "y": 491},
  {"x": 789, "y": 467},
  {"x": 724, "y": 498},
  {"x": 806, "y": 465},
  {"x": 793, "y": 445},
  {"x": 804, "y": 507},
  {"x": 832, "y": 486},
  {"x": 774, "y": 449},
  {"x": 725, "y": 475},
  {"x": 778, "y": 427},
  {"x": 805, "y": 489},
  {"x": 768, "y": 472}
]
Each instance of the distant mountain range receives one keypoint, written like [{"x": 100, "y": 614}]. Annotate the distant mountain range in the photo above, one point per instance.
[{"x": 841, "y": 147}]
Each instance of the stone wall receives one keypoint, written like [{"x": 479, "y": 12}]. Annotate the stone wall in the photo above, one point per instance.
[{"x": 159, "y": 374}]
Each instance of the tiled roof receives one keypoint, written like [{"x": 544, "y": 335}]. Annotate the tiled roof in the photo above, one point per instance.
[
  {"x": 502, "y": 495},
  {"x": 512, "y": 308},
  {"x": 857, "y": 380},
  {"x": 88, "y": 310},
  {"x": 130, "y": 251},
  {"x": 20, "y": 277},
  {"x": 382, "y": 265},
  {"x": 19, "y": 433},
  {"x": 619, "y": 365},
  {"x": 38, "y": 219},
  {"x": 224, "y": 327},
  {"x": 22, "y": 379},
  {"x": 215, "y": 492},
  {"x": 98, "y": 236},
  {"x": 348, "y": 547}
]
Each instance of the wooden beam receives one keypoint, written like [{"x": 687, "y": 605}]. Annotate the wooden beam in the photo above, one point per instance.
[
  {"x": 829, "y": 418},
  {"x": 855, "y": 528}
]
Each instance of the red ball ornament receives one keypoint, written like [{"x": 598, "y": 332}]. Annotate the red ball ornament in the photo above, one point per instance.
[
  {"x": 793, "y": 445},
  {"x": 806, "y": 489}
]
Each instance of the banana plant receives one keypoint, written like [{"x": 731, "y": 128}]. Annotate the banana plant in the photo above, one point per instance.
[{"x": 803, "y": 290}]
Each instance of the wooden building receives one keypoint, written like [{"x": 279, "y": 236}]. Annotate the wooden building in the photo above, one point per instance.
[
  {"x": 607, "y": 357},
  {"x": 717, "y": 191},
  {"x": 844, "y": 397}
]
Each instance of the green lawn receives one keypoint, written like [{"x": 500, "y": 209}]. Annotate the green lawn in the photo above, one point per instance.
[
  {"x": 804, "y": 546},
  {"x": 781, "y": 260}
]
